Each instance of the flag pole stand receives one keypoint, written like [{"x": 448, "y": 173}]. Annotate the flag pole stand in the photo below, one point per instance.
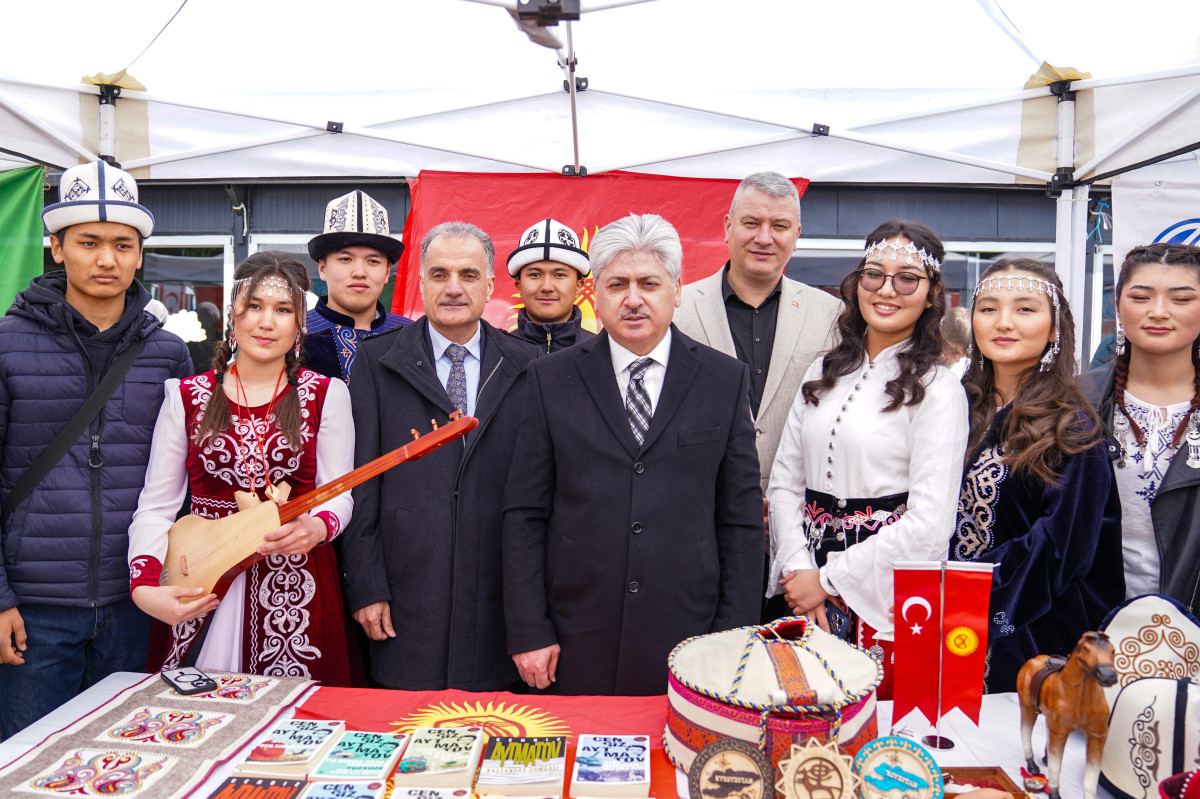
[{"x": 937, "y": 741}]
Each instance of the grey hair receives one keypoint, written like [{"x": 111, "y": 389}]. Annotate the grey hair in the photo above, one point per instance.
[
  {"x": 772, "y": 184},
  {"x": 956, "y": 327},
  {"x": 648, "y": 233},
  {"x": 460, "y": 230}
]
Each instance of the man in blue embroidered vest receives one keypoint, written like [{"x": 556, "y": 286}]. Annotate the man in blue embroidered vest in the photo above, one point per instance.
[{"x": 354, "y": 254}]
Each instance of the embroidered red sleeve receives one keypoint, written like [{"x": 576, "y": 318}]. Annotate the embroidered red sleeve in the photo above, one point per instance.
[
  {"x": 144, "y": 570},
  {"x": 333, "y": 527}
]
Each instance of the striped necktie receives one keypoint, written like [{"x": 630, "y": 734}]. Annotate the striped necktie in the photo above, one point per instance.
[{"x": 637, "y": 401}]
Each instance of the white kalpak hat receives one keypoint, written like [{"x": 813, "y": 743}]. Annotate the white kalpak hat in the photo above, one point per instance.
[
  {"x": 98, "y": 192},
  {"x": 355, "y": 219},
  {"x": 549, "y": 240}
]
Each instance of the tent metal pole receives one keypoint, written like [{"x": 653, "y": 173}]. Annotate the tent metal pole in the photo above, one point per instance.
[
  {"x": 571, "y": 90},
  {"x": 1028, "y": 94},
  {"x": 45, "y": 128},
  {"x": 1066, "y": 246},
  {"x": 1101, "y": 83},
  {"x": 1168, "y": 112},
  {"x": 309, "y": 133},
  {"x": 806, "y": 130}
]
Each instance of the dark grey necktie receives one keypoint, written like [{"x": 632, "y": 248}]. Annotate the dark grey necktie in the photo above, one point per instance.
[
  {"x": 637, "y": 401},
  {"x": 456, "y": 385}
]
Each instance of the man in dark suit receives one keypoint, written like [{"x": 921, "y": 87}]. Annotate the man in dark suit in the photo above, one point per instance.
[
  {"x": 420, "y": 555},
  {"x": 633, "y": 515}
]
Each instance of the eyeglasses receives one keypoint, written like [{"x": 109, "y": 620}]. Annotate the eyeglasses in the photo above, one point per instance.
[{"x": 902, "y": 282}]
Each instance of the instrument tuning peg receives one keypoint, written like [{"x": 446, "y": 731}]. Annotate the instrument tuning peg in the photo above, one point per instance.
[
  {"x": 454, "y": 417},
  {"x": 416, "y": 435},
  {"x": 434, "y": 423}
]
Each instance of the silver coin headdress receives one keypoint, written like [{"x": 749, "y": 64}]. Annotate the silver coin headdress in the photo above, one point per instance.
[
  {"x": 1010, "y": 282},
  {"x": 912, "y": 255}
]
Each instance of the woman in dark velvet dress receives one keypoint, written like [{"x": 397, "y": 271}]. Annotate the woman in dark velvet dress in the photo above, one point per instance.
[{"x": 1038, "y": 495}]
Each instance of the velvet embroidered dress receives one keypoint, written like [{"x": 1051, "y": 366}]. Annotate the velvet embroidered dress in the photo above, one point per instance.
[
  {"x": 1058, "y": 548},
  {"x": 283, "y": 616}
]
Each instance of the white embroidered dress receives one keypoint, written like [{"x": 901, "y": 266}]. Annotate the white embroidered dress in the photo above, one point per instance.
[{"x": 849, "y": 448}]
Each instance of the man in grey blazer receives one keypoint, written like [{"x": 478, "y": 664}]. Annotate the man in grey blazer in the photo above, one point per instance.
[{"x": 748, "y": 309}]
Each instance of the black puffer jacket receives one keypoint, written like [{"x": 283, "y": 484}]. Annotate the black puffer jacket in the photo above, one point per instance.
[
  {"x": 66, "y": 544},
  {"x": 1176, "y": 507}
]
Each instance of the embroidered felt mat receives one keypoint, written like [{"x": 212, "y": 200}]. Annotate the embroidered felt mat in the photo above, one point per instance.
[{"x": 149, "y": 741}]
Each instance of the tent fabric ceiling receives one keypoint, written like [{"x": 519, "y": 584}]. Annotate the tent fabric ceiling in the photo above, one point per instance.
[{"x": 679, "y": 87}]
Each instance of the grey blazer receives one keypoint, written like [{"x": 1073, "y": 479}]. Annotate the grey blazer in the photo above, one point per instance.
[{"x": 805, "y": 329}]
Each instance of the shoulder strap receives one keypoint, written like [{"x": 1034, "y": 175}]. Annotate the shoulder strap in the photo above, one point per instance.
[{"x": 52, "y": 454}]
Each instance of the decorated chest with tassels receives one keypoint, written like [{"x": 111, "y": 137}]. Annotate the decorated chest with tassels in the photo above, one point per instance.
[{"x": 769, "y": 685}]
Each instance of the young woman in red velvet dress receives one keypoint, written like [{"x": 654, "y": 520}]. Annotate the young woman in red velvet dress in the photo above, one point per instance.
[{"x": 256, "y": 420}]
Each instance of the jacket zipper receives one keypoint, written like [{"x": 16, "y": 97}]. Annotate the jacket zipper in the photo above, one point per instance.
[
  {"x": 94, "y": 464},
  {"x": 454, "y": 520},
  {"x": 548, "y": 340}
]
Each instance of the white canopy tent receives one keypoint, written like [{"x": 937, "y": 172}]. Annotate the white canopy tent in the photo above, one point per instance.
[{"x": 863, "y": 92}]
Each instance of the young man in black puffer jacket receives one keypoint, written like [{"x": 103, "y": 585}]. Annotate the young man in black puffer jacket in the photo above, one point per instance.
[{"x": 66, "y": 619}]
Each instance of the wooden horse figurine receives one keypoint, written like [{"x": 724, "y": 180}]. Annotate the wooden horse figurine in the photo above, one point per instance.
[{"x": 1068, "y": 692}]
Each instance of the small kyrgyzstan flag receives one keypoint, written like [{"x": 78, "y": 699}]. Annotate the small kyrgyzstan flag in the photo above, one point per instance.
[{"x": 941, "y": 615}]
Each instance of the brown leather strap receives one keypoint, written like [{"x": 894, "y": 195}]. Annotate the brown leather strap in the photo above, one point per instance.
[{"x": 1053, "y": 664}]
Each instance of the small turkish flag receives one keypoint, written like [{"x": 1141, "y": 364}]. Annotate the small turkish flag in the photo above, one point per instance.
[
  {"x": 941, "y": 614},
  {"x": 917, "y": 617}
]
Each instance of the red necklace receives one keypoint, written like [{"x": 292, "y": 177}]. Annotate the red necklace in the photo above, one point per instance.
[{"x": 259, "y": 441}]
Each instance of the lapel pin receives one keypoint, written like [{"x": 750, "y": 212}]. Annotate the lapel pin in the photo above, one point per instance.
[{"x": 796, "y": 303}]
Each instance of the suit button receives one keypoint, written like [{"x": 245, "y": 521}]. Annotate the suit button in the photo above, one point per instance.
[
  {"x": 638, "y": 468},
  {"x": 634, "y": 587},
  {"x": 636, "y": 527},
  {"x": 758, "y": 432}
]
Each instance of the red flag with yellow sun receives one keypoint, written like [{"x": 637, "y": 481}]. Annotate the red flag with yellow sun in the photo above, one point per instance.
[
  {"x": 504, "y": 205},
  {"x": 941, "y": 619}
]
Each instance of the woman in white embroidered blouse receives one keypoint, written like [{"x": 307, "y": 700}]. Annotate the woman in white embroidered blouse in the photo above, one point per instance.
[
  {"x": 869, "y": 465},
  {"x": 1148, "y": 399},
  {"x": 248, "y": 428}
]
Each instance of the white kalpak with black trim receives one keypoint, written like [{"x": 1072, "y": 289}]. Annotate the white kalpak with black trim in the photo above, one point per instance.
[
  {"x": 98, "y": 192},
  {"x": 355, "y": 220},
  {"x": 549, "y": 240}
]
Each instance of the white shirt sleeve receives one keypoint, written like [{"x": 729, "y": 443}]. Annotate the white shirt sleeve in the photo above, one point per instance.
[
  {"x": 785, "y": 496},
  {"x": 335, "y": 450},
  {"x": 937, "y": 439},
  {"x": 166, "y": 480}
]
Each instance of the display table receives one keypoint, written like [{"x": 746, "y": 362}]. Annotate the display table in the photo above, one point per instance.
[{"x": 996, "y": 742}]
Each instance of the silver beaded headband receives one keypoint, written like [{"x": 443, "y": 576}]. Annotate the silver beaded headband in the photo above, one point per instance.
[
  {"x": 892, "y": 249},
  {"x": 1026, "y": 283},
  {"x": 268, "y": 285}
]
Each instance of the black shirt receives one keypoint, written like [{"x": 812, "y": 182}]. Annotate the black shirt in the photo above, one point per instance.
[{"x": 753, "y": 331}]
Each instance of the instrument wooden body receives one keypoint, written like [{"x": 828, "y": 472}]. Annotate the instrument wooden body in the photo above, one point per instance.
[{"x": 211, "y": 553}]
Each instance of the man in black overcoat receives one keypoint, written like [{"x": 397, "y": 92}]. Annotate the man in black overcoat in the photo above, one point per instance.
[
  {"x": 421, "y": 554},
  {"x": 633, "y": 513}
]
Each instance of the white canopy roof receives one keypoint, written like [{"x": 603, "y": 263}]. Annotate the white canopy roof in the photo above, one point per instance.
[{"x": 687, "y": 87}]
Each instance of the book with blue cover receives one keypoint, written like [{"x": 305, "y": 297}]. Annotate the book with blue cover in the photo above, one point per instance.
[
  {"x": 612, "y": 766},
  {"x": 359, "y": 755}
]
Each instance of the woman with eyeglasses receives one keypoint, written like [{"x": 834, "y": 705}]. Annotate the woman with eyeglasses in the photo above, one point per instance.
[
  {"x": 870, "y": 463},
  {"x": 1038, "y": 499}
]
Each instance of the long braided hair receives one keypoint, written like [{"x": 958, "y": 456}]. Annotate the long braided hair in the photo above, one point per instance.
[
  {"x": 918, "y": 359},
  {"x": 217, "y": 418},
  {"x": 1170, "y": 255},
  {"x": 1050, "y": 420}
]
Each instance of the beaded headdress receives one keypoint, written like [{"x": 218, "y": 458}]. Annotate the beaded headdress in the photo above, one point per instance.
[
  {"x": 1010, "y": 282},
  {"x": 892, "y": 250}
]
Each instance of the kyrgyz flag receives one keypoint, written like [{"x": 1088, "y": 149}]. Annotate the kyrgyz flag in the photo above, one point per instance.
[
  {"x": 941, "y": 612},
  {"x": 20, "y": 230},
  {"x": 504, "y": 205}
]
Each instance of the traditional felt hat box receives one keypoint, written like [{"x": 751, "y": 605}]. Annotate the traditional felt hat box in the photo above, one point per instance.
[
  {"x": 767, "y": 685},
  {"x": 1154, "y": 724}
]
